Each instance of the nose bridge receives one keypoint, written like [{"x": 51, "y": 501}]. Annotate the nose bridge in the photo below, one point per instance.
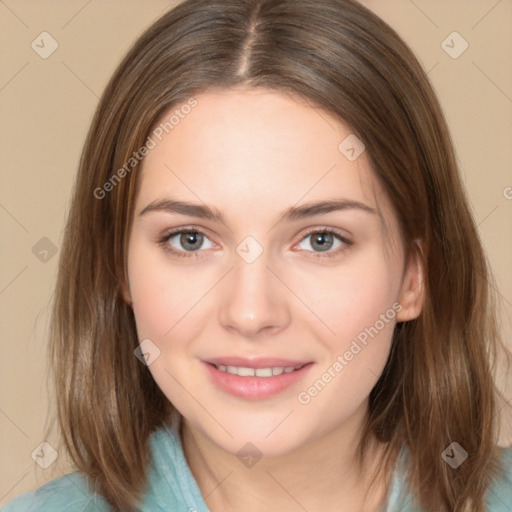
[
  {"x": 251, "y": 278},
  {"x": 251, "y": 298}
]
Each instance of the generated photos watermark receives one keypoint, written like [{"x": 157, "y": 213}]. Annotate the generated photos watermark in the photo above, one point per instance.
[
  {"x": 357, "y": 345},
  {"x": 152, "y": 141}
]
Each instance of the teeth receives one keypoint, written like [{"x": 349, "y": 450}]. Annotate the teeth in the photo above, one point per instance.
[{"x": 259, "y": 372}]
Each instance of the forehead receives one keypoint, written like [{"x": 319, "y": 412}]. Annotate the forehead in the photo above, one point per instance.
[{"x": 245, "y": 146}]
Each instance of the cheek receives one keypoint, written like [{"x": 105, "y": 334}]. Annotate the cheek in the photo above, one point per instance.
[
  {"x": 152, "y": 302},
  {"x": 362, "y": 313},
  {"x": 355, "y": 296},
  {"x": 162, "y": 296},
  {"x": 359, "y": 304},
  {"x": 162, "y": 292}
]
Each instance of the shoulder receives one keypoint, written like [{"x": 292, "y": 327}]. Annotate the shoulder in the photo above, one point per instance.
[
  {"x": 68, "y": 493},
  {"x": 499, "y": 496}
]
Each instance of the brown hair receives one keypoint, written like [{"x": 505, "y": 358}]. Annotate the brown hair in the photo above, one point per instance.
[{"x": 437, "y": 386}]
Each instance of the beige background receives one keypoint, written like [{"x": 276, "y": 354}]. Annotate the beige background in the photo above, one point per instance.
[{"x": 46, "y": 106}]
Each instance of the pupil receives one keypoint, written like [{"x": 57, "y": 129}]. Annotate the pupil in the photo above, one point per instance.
[
  {"x": 323, "y": 240},
  {"x": 190, "y": 238}
]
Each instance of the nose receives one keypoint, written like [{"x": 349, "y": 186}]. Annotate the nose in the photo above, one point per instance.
[{"x": 253, "y": 300}]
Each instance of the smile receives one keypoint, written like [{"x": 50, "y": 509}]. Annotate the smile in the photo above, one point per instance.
[
  {"x": 257, "y": 372},
  {"x": 255, "y": 383}
]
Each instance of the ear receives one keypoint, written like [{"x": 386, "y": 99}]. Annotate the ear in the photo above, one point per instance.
[
  {"x": 412, "y": 291},
  {"x": 125, "y": 292}
]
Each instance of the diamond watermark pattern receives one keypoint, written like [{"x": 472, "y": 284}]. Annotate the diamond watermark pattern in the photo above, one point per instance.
[
  {"x": 454, "y": 455},
  {"x": 454, "y": 45},
  {"x": 351, "y": 147},
  {"x": 44, "y": 45},
  {"x": 249, "y": 249},
  {"x": 44, "y": 250},
  {"x": 249, "y": 455},
  {"x": 147, "y": 352},
  {"x": 45, "y": 455}
]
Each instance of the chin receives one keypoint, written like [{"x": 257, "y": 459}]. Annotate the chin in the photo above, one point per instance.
[{"x": 267, "y": 435}]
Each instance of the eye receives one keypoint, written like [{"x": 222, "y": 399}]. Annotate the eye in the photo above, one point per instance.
[
  {"x": 323, "y": 240},
  {"x": 187, "y": 242},
  {"x": 184, "y": 242}
]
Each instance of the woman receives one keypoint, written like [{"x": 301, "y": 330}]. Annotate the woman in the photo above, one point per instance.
[{"x": 208, "y": 355}]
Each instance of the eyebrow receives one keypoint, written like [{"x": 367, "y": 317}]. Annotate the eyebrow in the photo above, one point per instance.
[{"x": 294, "y": 213}]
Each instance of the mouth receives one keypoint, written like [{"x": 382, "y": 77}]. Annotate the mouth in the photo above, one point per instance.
[
  {"x": 271, "y": 371},
  {"x": 255, "y": 379}
]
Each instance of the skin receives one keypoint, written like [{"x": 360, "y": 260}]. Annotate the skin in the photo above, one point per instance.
[{"x": 252, "y": 154}]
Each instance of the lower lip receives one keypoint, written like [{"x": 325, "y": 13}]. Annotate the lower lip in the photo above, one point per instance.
[{"x": 255, "y": 388}]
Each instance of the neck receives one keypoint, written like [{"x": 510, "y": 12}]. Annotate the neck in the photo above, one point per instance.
[{"x": 323, "y": 474}]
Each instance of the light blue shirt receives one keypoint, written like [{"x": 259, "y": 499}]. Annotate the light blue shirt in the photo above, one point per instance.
[{"x": 172, "y": 487}]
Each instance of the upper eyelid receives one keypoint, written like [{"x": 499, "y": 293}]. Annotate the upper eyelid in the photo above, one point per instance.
[{"x": 304, "y": 234}]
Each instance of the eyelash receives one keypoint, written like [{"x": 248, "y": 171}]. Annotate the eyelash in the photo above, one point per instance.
[{"x": 192, "y": 254}]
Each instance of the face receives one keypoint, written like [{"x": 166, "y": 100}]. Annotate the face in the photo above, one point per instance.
[{"x": 268, "y": 305}]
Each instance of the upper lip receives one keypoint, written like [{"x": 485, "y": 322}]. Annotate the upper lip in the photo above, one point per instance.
[{"x": 260, "y": 362}]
